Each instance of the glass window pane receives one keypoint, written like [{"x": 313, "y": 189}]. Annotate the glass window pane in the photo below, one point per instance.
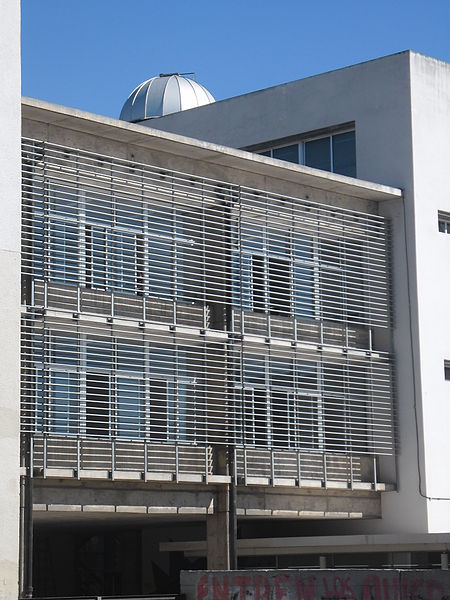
[
  {"x": 344, "y": 154},
  {"x": 63, "y": 201},
  {"x": 130, "y": 356},
  {"x": 162, "y": 362},
  {"x": 258, "y": 280},
  {"x": 37, "y": 247},
  {"x": 254, "y": 371},
  {"x": 252, "y": 238},
  {"x": 304, "y": 291},
  {"x": 317, "y": 154},
  {"x": 306, "y": 422},
  {"x": 279, "y": 285},
  {"x": 288, "y": 153},
  {"x": 98, "y": 404},
  {"x": 124, "y": 262},
  {"x": 99, "y": 354},
  {"x": 129, "y": 213},
  {"x": 64, "y": 348},
  {"x": 280, "y": 419},
  {"x": 63, "y": 417},
  {"x": 307, "y": 376},
  {"x": 63, "y": 249},
  {"x": 281, "y": 373},
  {"x": 160, "y": 267},
  {"x": 97, "y": 241},
  {"x": 130, "y": 413},
  {"x": 98, "y": 207},
  {"x": 277, "y": 242}
]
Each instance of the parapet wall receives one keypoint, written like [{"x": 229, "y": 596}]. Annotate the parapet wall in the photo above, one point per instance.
[{"x": 336, "y": 584}]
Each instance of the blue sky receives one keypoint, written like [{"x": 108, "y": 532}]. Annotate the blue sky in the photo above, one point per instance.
[{"x": 90, "y": 54}]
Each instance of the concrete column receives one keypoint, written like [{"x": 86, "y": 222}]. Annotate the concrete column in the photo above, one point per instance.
[
  {"x": 217, "y": 533},
  {"x": 10, "y": 128},
  {"x": 444, "y": 561}
]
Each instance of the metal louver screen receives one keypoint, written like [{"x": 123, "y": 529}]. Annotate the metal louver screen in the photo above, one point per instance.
[{"x": 166, "y": 307}]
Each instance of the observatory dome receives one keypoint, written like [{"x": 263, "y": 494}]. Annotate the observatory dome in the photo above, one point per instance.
[{"x": 163, "y": 95}]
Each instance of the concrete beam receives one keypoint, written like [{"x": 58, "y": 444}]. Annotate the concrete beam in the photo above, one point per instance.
[
  {"x": 138, "y": 135},
  {"x": 351, "y": 544}
]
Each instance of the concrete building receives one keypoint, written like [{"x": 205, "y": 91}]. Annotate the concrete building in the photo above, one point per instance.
[
  {"x": 386, "y": 121},
  {"x": 226, "y": 357}
]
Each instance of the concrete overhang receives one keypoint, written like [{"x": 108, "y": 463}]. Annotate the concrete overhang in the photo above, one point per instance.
[
  {"x": 332, "y": 544},
  {"x": 139, "y": 135}
]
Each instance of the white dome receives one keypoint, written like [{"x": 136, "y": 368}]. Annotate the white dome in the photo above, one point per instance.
[{"x": 163, "y": 95}]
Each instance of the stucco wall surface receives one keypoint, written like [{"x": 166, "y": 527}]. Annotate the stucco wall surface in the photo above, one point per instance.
[{"x": 9, "y": 295}]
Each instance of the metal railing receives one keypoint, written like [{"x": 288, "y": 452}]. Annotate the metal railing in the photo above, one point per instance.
[{"x": 79, "y": 458}]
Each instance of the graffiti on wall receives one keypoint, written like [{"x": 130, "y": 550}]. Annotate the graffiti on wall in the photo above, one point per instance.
[{"x": 317, "y": 585}]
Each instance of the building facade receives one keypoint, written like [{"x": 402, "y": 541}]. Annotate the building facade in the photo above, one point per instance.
[
  {"x": 230, "y": 354},
  {"x": 385, "y": 120},
  {"x": 194, "y": 350}
]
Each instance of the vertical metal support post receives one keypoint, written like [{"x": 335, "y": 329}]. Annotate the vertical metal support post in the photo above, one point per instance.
[
  {"x": 31, "y": 466},
  {"x": 375, "y": 479},
  {"x": 325, "y": 475},
  {"x": 351, "y": 471},
  {"x": 44, "y": 464},
  {"x": 145, "y": 460},
  {"x": 177, "y": 463},
  {"x": 299, "y": 469},
  {"x": 232, "y": 503},
  {"x": 245, "y": 465},
  {"x": 272, "y": 468},
  {"x": 113, "y": 458},
  {"x": 78, "y": 458},
  {"x": 206, "y": 449},
  {"x": 27, "y": 532}
]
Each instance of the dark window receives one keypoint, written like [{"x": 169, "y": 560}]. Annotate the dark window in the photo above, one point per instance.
[
  {"x": 344, "y": 154},
  {"x": 447, "y": 370},
  {"x": 258, "y": 283},
  {"x": 279, "y": 286},
  {"x": 287, "y": 153},
  {"x": 317, "y": 154},
  {"x": 444, "y": 222},
  {"x": 98, "y": 417}
]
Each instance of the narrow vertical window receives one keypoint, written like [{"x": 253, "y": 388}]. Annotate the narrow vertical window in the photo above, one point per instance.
[
  {"x": 344, "y": 154},
  {"x": 317, "y": 154}
]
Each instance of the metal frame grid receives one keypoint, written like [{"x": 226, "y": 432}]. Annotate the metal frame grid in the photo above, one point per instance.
[{"x": 175, "y": 309}]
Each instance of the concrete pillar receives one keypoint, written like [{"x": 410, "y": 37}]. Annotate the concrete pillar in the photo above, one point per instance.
[
  {"x": 444, "y": 561},
  {"x": 10, "y": 193},
  {"x": 217, "y": 533},
  {"x": 322, "y": 562}
]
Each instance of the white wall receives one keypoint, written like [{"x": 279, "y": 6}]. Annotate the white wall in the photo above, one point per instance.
[
  {"x": 9, "y": 295},
  {"x": 430, "y": 87},
  {"x": 377, "y": 96}
]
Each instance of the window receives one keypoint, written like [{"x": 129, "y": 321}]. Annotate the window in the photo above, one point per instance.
[
  {"x": 64, "y": 406},
  {"x": 172, "y": 396},
  {"x": 287, "y": 153},
  {"x": 342, "y": 280},
  {"x": 334, "y": 152},
  {"x": 130, "y": 407},
  {"x": 279, "y": 403},
  {"x": 444, "y": 222},
  {"x": 447, "y": 370},
  {"x": 274, "y": 273}
]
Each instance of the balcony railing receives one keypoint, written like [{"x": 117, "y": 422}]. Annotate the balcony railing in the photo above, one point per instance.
[{"x": 79, "y": 458}]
